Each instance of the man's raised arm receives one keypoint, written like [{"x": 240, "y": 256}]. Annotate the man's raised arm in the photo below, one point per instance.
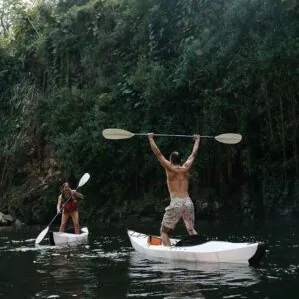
[
  {"x": 191, "y": 158},
  {"x": 157, "y": 152}
]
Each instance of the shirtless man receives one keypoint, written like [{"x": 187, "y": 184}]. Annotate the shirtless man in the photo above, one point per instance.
[{"x": 177, "y": 182}]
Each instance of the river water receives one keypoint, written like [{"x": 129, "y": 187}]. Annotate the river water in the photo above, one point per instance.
[{"x": 108, "y": 267}]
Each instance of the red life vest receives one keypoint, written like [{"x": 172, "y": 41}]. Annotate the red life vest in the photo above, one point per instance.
[{"x": 70, "y": 205}]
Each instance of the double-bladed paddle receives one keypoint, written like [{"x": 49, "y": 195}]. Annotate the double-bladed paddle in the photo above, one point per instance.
[
  {"x": 228, "y": 138},
  {"x": 40, "y": 237}
]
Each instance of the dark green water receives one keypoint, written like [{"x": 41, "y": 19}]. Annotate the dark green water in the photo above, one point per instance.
[{"x": 107, "y": 267}]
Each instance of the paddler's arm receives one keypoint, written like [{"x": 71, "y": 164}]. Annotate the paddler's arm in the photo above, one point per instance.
[
  {"x": 165, "y": 163},
  {"x": 191, "y": 158},
  {"x": 59, "y": 204},
  {"x": 77, "y": 194}
]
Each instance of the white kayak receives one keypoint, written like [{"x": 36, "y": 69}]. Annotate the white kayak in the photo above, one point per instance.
[
  {"x": 208, "y": 252},
  {"x": 68, "y": 239}
]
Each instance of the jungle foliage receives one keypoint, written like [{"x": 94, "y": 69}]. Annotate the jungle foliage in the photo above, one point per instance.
[{"x": 69, "y": 69}]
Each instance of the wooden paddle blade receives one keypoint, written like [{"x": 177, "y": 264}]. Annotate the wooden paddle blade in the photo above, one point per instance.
[
  {"x": 229, "y": 138},
  {"x": 41, "y": 236},
  {"x": 117, "y": 134}
]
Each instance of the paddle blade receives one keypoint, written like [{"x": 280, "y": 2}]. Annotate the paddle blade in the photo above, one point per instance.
[
  {"x": 41, "y": 236},
  {"x": 84, "y": 179},
  {"x": 117, "y": 134},
  {"x": 229, "y": 138}
]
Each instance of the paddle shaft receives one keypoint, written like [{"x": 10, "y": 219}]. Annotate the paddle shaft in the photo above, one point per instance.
[{"x": 171, "y": 135}]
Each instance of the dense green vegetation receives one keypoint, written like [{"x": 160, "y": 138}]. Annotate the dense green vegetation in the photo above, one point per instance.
[{"x": 69, "y": 69}]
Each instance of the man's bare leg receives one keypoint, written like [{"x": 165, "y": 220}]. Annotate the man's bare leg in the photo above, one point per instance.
[
  {"x": 192, "y": 232},
  {"x": 189, "y": 224},
  {"x": 164, "y": 236}
]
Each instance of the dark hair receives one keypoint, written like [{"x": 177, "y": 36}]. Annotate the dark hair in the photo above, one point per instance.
[{"x": 175, "y": 158}]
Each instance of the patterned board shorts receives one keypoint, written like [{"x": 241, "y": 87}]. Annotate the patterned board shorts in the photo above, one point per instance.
[{"x": 179, "y": 208}]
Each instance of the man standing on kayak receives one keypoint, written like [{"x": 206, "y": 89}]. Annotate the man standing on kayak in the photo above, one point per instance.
[{"x": 178, "y": 183}]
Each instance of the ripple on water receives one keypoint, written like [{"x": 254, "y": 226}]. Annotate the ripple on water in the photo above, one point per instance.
[
  {"x": 187, "y": 277},
  {"x": 107, "y": 263}
]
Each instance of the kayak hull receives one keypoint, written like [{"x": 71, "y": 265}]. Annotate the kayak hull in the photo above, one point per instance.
[
  {"x": 209, "y": 252},
  {"x": 68, "y": 239}
]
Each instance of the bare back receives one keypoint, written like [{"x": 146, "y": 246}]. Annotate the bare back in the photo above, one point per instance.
[{"x": 178, "y": 182}]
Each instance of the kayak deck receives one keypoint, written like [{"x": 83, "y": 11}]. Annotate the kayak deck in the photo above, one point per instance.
[{"x": 211, "y": 252}]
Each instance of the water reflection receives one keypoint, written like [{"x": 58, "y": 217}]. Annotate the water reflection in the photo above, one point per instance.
[
  {"x": 190, "y": 279},
  {"x": 66, "y": 270},
  {"x": 84, "y": 271}
]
